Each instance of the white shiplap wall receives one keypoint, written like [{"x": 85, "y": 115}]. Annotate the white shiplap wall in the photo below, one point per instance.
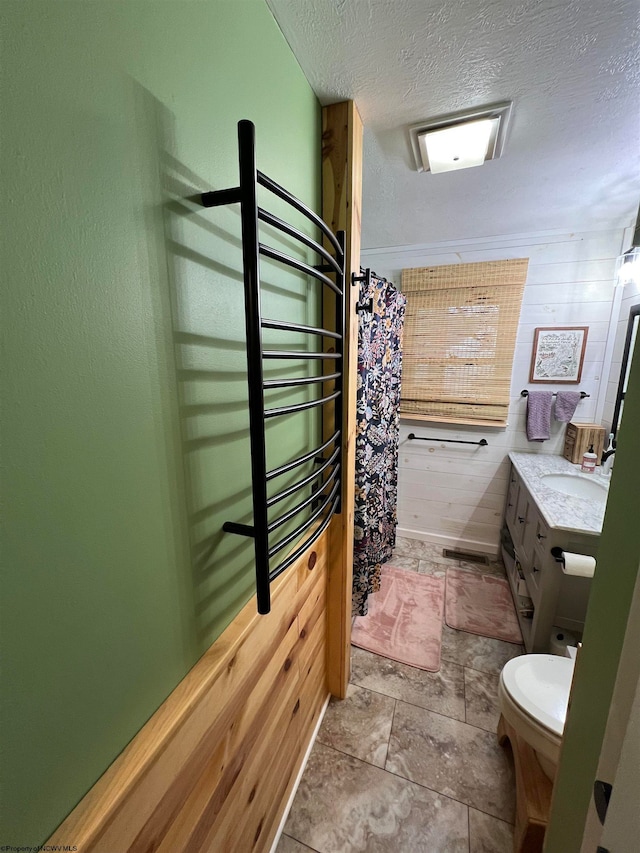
[{"x": 454, "y": 494}]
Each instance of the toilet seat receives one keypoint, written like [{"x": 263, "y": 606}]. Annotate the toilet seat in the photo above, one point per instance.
[{"x": 539, "y": 685}]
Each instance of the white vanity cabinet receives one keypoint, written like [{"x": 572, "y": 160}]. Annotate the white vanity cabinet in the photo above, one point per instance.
[{"x": 543, "y": 594}]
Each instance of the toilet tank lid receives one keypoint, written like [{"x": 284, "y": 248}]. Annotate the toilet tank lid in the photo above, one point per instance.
[{"x": 540, "y": 685}]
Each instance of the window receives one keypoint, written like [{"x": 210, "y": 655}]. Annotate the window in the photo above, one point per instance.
[{"x": 460, "y": 331}]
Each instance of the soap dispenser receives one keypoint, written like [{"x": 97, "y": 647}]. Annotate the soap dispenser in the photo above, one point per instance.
[{"x": 589, "y": 461}]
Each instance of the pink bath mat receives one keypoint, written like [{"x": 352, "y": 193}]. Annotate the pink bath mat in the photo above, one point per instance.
[
  {"x": 404, "y": 621},
  {"x": 481, "y": 604}
]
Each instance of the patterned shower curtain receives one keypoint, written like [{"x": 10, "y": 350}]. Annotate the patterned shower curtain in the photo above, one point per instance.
[{"x": 379, "y": 372}]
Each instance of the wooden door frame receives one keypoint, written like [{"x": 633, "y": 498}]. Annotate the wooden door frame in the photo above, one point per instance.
[{"x": 342, "y": 132}]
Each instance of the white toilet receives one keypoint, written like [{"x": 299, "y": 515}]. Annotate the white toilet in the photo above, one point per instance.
[{"x": 534, "y": 693}]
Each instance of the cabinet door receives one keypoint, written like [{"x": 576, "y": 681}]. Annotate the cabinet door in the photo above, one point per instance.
[
  {"x": 520, "y": 518},
  {"x": 512, "y": 501},
  {"x": 534, "y": 573},
  {"x": 534, "y": 532},
  {"x": 541, "y": 533}
]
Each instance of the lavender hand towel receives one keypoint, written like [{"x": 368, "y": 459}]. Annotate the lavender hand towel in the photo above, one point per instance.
[
  {"x": 539, "y": 415},
  {"x": 566, "y": 402}
]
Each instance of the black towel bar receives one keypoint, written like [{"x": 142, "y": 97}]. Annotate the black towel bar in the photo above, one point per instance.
[
  {"x": 482, "y": 443},
  {"x": 583, "y": 394},
  {"x": 329, "y": 474},
  {"x": 312, "y": 454},
  {"x": 285, "y": 493}
]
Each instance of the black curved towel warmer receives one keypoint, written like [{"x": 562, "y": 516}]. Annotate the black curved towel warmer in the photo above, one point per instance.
[{"x": 323, "y": 507}]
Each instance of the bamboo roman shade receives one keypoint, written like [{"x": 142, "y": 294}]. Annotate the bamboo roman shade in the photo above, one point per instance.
[{"x": 459, "y": 337}]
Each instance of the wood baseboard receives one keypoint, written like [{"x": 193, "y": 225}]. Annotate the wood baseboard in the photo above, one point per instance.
[
  {"x": 303, "y": 765},
  {"x": 214, "y": 767}
]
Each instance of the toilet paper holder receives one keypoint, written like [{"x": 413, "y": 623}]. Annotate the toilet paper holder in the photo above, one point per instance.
[{"x": 577, "y": 565}]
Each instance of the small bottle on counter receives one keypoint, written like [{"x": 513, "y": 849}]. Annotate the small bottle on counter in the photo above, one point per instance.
[{"x": 589, "y": 461}]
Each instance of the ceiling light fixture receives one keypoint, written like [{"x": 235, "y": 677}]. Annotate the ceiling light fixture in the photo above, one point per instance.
[
  {"x": 460, "y": 140},
  {"x": 628, "y": 267}
]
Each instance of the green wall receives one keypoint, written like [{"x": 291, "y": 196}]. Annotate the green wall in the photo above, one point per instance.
[
  {"x": 124, "y": 396},
  {"x": 609, "y": 605}
]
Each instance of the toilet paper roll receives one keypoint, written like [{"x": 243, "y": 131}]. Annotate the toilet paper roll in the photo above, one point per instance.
[
  {"x": 559, "y": 641},
  {"x": 578, "y": 564}
]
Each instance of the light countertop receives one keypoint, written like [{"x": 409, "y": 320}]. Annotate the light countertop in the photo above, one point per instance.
[{"x": 563, "y": 512}]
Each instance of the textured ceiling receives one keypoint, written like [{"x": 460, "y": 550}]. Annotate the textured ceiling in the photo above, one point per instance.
[{"x": 572, "y": 69}]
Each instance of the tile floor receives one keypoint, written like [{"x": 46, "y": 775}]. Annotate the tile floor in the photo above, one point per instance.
[{"x": 409, "y": 762}]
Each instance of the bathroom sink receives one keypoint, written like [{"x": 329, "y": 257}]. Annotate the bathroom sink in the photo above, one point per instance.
[{"x": 575, "y": 486}]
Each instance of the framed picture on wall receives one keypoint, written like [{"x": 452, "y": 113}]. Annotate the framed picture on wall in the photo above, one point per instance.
[{"x": 558, "y": 353}]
